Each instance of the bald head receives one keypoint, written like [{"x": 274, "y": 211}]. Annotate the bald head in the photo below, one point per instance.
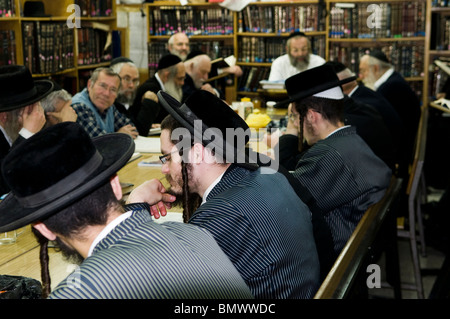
[{"x": 198, "y": 69}]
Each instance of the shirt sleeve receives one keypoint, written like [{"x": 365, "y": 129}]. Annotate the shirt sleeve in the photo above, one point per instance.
[{"x": 86, "y": 119}]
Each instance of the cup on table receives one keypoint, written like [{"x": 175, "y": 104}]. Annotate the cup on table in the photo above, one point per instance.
[{"x": 9, "y": 237}]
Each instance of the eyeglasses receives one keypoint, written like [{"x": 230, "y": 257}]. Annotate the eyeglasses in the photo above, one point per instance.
[
  {"x": 130, "y": 80},
  {"x": 110, "y": 89},
  {"x": 166, "y": 157}
]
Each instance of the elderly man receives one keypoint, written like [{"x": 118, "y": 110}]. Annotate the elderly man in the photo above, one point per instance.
[
  {"x": 70, "y": 193},
  {"x": 339, "y": 169},
  {"x": 297, "y": 59},
  {"x": 21, "y": 114},
  {"x": 57, "y": 107},
  {"x": 95, "y": 108},
  {"x": 253, "y": 213},
  {"x": 169, "y": 77},
  {"x": 378, "y": 74}
]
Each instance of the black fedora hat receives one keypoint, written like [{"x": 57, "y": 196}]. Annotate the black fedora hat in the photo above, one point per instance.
[
  {"x": 312, "y": 82},
  {"x": 34, "y": 9},
  {"x": 56, "y": 167},
  {"x": 219, "y": 123},
  {"x": 18, "y": 89}
]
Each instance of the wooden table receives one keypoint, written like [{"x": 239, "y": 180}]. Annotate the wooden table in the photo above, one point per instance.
[{"x": 22, "y": 258}]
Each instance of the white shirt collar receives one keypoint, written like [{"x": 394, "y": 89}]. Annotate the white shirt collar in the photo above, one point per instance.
[
  {"x": 210, "y": 187},
  {"x": 160, "y": 82},
  {"x": 8, "y": 139},
  {"x": 353, "y": 91},
  {"x": 383, "y": 78},
  {"x": 338, "y": 129},
  {"x": 108, "y": 228}
]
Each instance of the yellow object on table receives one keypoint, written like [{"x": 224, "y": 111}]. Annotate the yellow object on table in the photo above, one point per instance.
[{"x": 257, "y": 119}]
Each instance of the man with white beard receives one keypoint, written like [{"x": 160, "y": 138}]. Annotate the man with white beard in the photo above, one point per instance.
[
  {"x": 169, "y": 78},
  {"x": 297, "y": 59}
]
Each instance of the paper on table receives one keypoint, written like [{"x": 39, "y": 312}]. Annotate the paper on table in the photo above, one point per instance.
[{"x": 147, "y": 144}]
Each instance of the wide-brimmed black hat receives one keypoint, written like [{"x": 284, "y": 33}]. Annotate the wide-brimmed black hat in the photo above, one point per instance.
[
  {"x": 56, "y": 167},
  {"x": 311, "y": 82},
  {"x": 213, "y": 122},
  {"x": 18, "y": 89}
]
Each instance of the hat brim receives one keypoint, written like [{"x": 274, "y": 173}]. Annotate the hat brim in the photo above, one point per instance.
[
  {"x": 115, "y": 148},
  {"x": 43, "y": 88},
  {"x": 178, "y": 111},
  {"x": 320, "y": 88}
]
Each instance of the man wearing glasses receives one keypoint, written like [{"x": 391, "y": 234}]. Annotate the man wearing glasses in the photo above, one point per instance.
[{"x": 95, "y": 108}]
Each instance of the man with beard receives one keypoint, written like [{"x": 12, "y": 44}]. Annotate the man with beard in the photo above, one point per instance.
[
  {"x": 143, "y": 114},
  {"x": 178, "y": 45},
  {"x": 253, "y": 213},
  {"x": 21, "y": 114},
  {"x": 95, "y": 108},
  {"x": 65, "y": 184},
  {"x": 169, "y": 77},
  {"x": 378, "y": 74},
  {"x": 297, "y": 59}
]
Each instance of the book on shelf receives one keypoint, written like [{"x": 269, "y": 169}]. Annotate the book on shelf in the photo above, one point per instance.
[
  {"x": 251, "y": 77},
  {"x": 95, "y": 8},
  {"x": 167, "y": 20},
  {"x": 7, "y": 8},
  {"x": 272, "y": 85},
  {"x": 94, "y": 45},
  {"x": 7, "y": 47},
  {"x": 358, "y": 20}
]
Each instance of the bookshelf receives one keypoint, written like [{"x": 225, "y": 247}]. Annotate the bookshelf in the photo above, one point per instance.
[
  {"x": 396, "y": 27},
  {"x": 439, "y": 46},
  {"x": 53, "y": 46}
]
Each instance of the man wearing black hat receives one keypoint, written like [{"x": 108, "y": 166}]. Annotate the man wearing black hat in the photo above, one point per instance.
[
  {"x": 253, "y": 213},
  {"x": 21, "y": 114},
  {"x": 378, "y": 74},
  {"x": 64, "y": 183},
  {"x": 95, "y": 108},
  {"x": 297, "y": 59},
  {"x": 169, "y": 77},
  {"x": 340, "y": 170}
]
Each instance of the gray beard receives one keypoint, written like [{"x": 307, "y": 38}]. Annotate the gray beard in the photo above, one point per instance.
[
  {"x": 300, "y": 65},
  {"x": 124, "y": 99},
  {"x": 176, "y": 92},
  {"x": 12, "y": 127}
]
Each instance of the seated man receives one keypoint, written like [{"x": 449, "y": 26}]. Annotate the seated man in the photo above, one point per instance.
[
  {"x": 169, "y": 77},
  {"x": 143, "y": 115},
  {"x": 95, "y": 108},
  {"x": 21, "y": 114},
  {"x": 297, "y": 59},
  {"x": 123, "y": 253},
  {"x": 57, "y": 107},
  {"x": 198, "y": 66},
  {"x": 339, "y": 169},
  {"x": 253, "y": 213}
]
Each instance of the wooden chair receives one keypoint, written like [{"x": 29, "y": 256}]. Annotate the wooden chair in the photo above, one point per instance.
[
  {"x": 416, "y": 194},
  {"x": 347, "y": 276}
]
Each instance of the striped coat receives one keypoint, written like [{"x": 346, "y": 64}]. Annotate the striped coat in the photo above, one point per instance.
[
  {"x": 266, "y": 231},
  {"x": 345, "y": 177},
  {"x": 143, "y": 259}
]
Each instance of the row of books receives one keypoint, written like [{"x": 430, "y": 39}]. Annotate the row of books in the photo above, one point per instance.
[
  {"x": 440, "y": 3},
  {"x": 279, "y": 19},
  {"x": 48, "y": 47},
  {"x": 7, "y": 8},
  {"x": 214, "y": 49},
  {"x": 381, "y": 20},
  {"x": 7, "y": 47},
  {"x": 406, "y": 58},
  {"x": 251, "y": 76},
  {"x": 93, "y": 46},
  {"x": 95, "y": 8},
  {"x": 168, "y": 20},
  {"x": 262, "y": 49}
]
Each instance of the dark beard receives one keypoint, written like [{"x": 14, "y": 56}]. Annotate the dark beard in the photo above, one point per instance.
[
  {"x": 69, "y": 254},
  {"x": 193, "y": 201}
]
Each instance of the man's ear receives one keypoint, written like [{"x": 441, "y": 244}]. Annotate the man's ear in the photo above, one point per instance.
[
  {"x": 197, "y": 153},
  {"x": 117, "y": 189},
  {"x": 45, "y": 231}
]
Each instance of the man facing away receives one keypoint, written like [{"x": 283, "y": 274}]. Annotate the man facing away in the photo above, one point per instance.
[
  {"x": 339, "y": 169},
  {"x": 64, "y": 183},
  {"x": 95, "y": 108},
  {"x": 253, "y": 213}
]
